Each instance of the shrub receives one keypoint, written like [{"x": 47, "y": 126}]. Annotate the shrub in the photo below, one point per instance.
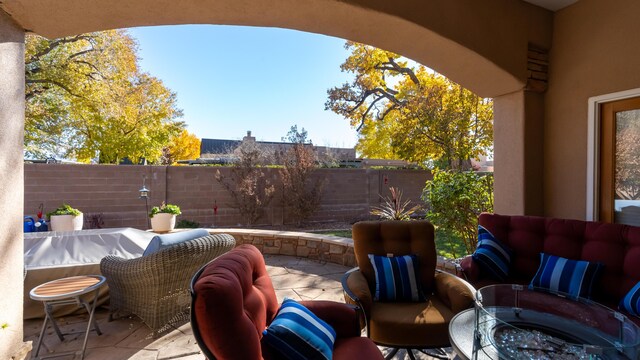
[
  {"x": 187, "y": 224},
  {"x": 94, "y": 221},
  {"x": 64, "y": 209},
  {"x": 165, "y": 209},
  {"x": 300, "y": 193},
  {"x": 393, "y": 208},
  {"x": 248, "y": 185},
  {"x": 455, "y": 199}
]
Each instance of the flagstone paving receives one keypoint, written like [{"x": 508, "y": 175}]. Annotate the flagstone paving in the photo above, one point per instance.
[{"x": 129, "y": 338}]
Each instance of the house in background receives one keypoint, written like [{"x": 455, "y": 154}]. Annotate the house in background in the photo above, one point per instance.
[{"x": 221, "y": 151}]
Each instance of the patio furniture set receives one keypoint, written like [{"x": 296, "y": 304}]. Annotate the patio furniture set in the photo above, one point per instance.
[{"x": 395, "y": 295}]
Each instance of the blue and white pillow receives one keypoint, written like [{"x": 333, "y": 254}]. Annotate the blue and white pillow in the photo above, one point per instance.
[
  {"x": 397, "y": 278},
  {"x": 491, "y": 255},
  {"x": 160, "y": 242},
  {"x": 298, "y": 334},
  {"x": 574, "y": 278},
  {"x": 631, "y": 302}
]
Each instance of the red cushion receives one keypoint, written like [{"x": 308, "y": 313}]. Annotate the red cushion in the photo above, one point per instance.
[
  {"x": 238, "y": 283},
  {"x": 356, "y": 348},
  {"x": 343, "y": 318},
  {"x": 235, "y": 301}
]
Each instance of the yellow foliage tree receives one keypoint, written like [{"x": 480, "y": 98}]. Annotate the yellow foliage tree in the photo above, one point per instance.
[
  {"x": 409, "y": 112},
  {"x": 87, "y": 99},
  {"x": 185, "y": 146}
]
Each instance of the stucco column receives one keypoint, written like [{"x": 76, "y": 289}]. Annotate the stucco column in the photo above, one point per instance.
[
  {"x": 519, "y": 153},
  {"x": 11, "y": 185}
]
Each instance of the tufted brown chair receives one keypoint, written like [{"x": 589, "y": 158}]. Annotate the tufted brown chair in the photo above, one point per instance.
[
  {"x": 233, "y": 301},
  {"x": 409, "y": 325}
]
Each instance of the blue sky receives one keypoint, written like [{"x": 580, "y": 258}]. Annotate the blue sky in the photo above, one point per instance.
[{"x": 230, "y": 79}]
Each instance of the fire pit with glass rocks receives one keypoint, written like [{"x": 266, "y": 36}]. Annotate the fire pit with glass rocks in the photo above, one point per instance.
[
  {"x": 513, "y": 322},
  {"x": 521, "y": 344}
]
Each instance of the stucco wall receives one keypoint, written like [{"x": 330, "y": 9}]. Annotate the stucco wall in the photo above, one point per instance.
[
  {"x": 113, "y": 192},
  {"x": 595, "y": 51},
  {"x": 481, "y": 44},
  {"x": 11, "y": 134}
]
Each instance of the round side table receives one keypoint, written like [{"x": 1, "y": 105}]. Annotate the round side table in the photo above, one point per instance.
[{"x": 67, "y": 291}]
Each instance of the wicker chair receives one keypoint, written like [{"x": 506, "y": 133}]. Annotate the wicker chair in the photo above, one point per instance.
[{"x": 156, "y": 287}]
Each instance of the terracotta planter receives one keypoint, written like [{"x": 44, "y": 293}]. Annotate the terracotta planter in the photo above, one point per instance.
[
  {"x": 163, "y": 222},
  {"x": 66, "y": 222}
]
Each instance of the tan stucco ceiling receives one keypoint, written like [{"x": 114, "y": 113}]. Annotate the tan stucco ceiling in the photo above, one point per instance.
[
  {"x": 480, "y": 48},
  {"x": 553, "y": 5}
]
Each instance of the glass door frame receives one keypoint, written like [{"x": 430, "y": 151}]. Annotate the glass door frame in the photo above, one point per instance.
[{"x": 593, "y": 148}]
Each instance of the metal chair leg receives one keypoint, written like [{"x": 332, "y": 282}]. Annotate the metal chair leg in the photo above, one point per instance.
[
  {"x": 438, "y": 353},
  {"x": 391, "y": 354},
  {"x": 48, "y": 308}
]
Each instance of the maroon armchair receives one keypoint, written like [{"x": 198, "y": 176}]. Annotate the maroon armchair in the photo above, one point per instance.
[{"x": 233, "y": 301}]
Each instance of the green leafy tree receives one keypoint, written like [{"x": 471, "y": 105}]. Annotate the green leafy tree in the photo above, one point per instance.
[
  {"x": 455, "y": 200},
  {"x": 87, "y": 99},
  {"x": 409, "y": 112},
  {"x": 301, "y": 193}
]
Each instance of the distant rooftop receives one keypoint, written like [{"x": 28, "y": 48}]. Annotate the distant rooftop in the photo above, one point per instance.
[{"x": 214, "y": 148}]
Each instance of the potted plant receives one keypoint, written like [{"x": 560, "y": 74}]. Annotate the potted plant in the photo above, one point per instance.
[
  {"x": 65, "y": 218},
  {"x": 163, "y": 218}
]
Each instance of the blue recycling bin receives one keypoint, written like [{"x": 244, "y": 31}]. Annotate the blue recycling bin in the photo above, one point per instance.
[{"x": 29, "y": 224}]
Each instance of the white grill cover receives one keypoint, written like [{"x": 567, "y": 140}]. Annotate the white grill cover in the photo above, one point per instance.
[{"x": 57, "y": 254}]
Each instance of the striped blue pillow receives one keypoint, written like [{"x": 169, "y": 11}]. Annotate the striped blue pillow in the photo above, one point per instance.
[
  {"x": 396, "y": 278},
  {"x": 574, "y": 278},
  {"x": 631, "y": 302},
  {"x": 299, "y": 334},
  {"x": 491, "y": 255}
]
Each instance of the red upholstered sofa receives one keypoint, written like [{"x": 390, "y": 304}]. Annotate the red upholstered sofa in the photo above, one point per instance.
[
  {"x": 614, "y": 245},
  {"x": 233, "y": 301}
]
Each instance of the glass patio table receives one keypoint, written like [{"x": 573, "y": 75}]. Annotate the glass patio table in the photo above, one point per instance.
[{"x": 513, "y": 322}]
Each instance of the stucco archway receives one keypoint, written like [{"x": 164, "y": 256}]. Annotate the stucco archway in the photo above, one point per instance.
[
  {"x": 469, "y": 41},
  {"x": 483, "y": 50}
]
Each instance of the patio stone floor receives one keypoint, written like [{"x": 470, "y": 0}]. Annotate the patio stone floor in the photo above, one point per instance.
[{"x": 129, "y": 338}]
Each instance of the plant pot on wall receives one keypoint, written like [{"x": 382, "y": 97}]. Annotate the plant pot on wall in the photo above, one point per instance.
[
  {"x": 66, "y": 218},
  {"x": 163, "y": 218},
  {"x": 66, "y": 222},
  {"x": 163, "y": 222}
]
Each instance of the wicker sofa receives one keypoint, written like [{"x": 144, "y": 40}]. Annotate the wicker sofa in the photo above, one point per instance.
[
  {"x": 155, "y": 287},
  {"x": 616, "y": 246}
]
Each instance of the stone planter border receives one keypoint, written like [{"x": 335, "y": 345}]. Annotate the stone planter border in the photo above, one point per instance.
[{"x": 333, "y": 249}]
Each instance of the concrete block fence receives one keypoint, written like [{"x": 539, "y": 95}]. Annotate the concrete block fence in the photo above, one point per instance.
[{"x": 112, "y": 192}]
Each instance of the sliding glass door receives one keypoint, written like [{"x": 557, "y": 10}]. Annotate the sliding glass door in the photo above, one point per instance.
[{"x": 619, "y": 164}]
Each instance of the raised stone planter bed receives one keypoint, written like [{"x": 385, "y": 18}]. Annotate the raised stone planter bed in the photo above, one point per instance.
[{"x": 333, "y": 249}]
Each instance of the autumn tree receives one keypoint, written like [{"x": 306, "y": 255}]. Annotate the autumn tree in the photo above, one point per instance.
[
  {"x": 410, "y": 112},
  {"x": 87, "y": 99},
  {"x": 185, "y": 146},
  {"x": 301, "y": 192}
]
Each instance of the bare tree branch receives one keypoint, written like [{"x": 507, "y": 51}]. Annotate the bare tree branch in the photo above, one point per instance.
[
  {"x": 392, "y": 65},
  {"x": 51, "y": 82},
  {"x": 56, "y": 43}
]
